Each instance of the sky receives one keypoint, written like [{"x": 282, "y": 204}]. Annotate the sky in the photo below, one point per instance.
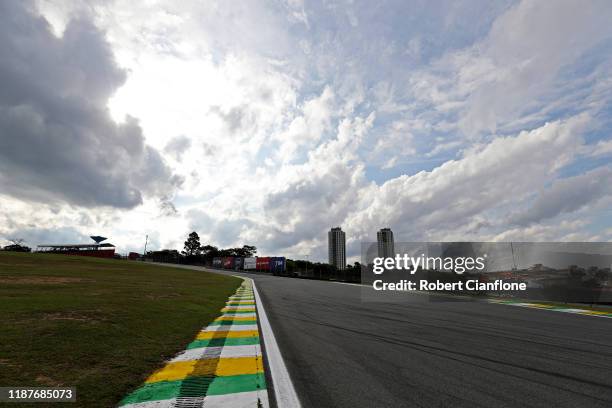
[{"x": 268, "y": 122}]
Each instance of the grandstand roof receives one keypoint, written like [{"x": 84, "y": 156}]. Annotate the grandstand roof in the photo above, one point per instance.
[{"x": 58, "y": 246}]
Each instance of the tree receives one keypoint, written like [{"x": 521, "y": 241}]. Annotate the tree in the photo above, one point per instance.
[
  {"x": 246, "y": 251},
  {"x": 165, "y": 255},
  {"x": 192, "y": 245},
  {"x": 603, "y": 275},
  {"x": 249, "y": 250},
  {"x": 17, "y": 246},
  {"x": 209, "y": 251}
]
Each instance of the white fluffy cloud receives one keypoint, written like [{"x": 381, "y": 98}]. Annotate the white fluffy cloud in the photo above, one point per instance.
[
  {"x": 516, "y": 74},
  {"x": 504, "y": 172}
]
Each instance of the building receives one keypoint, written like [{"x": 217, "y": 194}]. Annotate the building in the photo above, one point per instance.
[
  {"x": 337, "y": 248},
  {"x": 96, "y": 250},
  {"x": 386, "y": 248}
]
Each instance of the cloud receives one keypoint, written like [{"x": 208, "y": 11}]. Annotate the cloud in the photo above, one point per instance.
[
  {"x": 299, "y": 121},
  {"x": 563, "y": 231},
  {"x": 320, "y": 192},
  {"x": 528, "y": 62},
  {"x": 234, "y": 119},
  {"x": 566, "y": 196},
  {"x": 477, "y": 187},
  {"x": 177, "y": 146},
  {"x": 167, "y": 208},
  {"x": 34, "y": 236},
  {"x": 57, "y": 140},
  {"x": 223, "y": 232},
  {"x": 602, "y": 148},
  {"x": 396, "y": 144},
  {"x": 309, "y": 126}
]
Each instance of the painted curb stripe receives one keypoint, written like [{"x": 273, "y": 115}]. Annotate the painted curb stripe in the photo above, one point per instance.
[
  {"x": 212, "y": 366},
  {"x": 243, "y": 341},
  {"x": 226, "y": 334},
  {"x": 242, "y": 399},
  {"x": 201, "y": 353},
  {"x": 166, "y": 390},
  {"x": 250, "y": 308},
  {"x": 220, "y": 328},
  {"x": 222, "y": 367},
  {"x": 246, "y": 317},
  {"x": 554, "y": 308},
  {"x": 237, "y": 312},
  {"x": 233, "y": 322}
]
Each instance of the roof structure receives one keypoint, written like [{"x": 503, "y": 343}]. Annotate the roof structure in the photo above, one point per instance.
[{"x": 76, "y": 246}]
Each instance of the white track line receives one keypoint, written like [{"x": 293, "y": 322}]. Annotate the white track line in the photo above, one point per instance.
[{"x": 284, "y": 391}]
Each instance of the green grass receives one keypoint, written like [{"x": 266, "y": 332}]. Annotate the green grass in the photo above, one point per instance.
[{"x": 99, "y": 325}]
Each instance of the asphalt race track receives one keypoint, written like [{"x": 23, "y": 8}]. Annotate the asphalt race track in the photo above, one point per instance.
[{"x": 343, "y": 352}]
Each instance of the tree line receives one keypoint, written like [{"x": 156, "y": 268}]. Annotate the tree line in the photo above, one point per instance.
[{"x": 195, "y": 253}]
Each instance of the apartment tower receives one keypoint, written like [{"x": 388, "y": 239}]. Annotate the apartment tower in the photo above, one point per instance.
[
  {"x": 336, "y": 239},
  {"x": 386, "y": 247}
]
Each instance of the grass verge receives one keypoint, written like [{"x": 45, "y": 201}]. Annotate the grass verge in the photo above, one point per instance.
[{"x": 100, "y": 325}]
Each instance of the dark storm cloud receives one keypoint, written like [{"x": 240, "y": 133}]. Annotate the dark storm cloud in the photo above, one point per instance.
[{"x": 57, "y": 140}]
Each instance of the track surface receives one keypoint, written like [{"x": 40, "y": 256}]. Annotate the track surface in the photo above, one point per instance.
[{"x": 343, "y": 352}]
